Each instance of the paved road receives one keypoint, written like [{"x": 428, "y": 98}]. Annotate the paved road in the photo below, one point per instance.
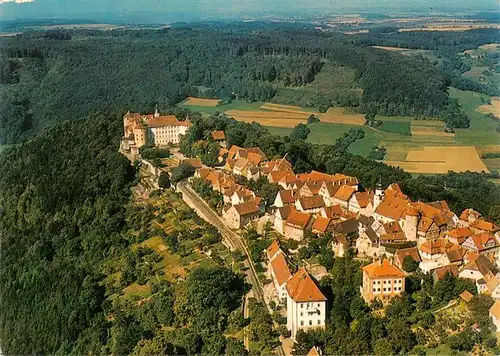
[{"x": 231, "y": 238}]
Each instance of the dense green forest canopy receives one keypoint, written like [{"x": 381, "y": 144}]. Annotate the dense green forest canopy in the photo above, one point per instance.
[
  {"x": 65, "y": 226},
  {"x": 50, "y": 76}
]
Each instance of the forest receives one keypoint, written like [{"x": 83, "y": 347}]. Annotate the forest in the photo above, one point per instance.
[{"x": 48, "y": 77}]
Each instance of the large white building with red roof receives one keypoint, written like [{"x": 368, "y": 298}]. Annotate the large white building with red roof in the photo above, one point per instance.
[
  {"x": 306, "y": 305},
  {"x": 156, "y": 129}
]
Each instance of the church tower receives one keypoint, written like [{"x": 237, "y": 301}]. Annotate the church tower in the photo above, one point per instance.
[
  {"x": 379, "y": 194},
  {"x": 157, "y": 114}
]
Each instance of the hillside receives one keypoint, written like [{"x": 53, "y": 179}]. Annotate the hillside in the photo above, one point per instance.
[{"x": 51, "y": 76}]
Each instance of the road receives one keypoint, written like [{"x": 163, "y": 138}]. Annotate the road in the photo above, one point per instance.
[{"x": 232, "y": 240}]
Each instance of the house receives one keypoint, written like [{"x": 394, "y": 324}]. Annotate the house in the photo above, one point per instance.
[
  {"x": 327, "y": 192},
  {"x": 382, "y": 280},
  {"x": 391, "y": 232},
  {"x": 435, "y": 249},
  {"x": 495, "y": 314},
  {"x": 468, "y": 216},
  {"x": 483, "y": 226},
  {"x": 343, "y": 195},
  {"x": 285, "y": 198},
  {"x": 239, "y": 215},
  {"x": 194, "y": 162},
  {"x": 466, "y": 296},
  {"x": 309, "y": 204},
  {"x": 340, "y": 245},
  {"x": 280, "y": 216},
  {"x": 459, "y": 235},
  {"x": 477, "y": 269},
  {"x": 361, "y": 202},
  {"x": 280, "y": 273},
  {"x": 241, "y": 196},
  {"x": 401, "y": 254},
  {"x": 273, "y": 249},
  {"x": 482, "y": 243},
  {"x": 439, "y": 273},
  {"x": 367, "y": 243},
  {"x": 322, "y": 225},
  {"x": 308, "y": 189},
  {"x": 296, "y": 224},
  {"x": 334, "y": 212},
  {"x": 306, "y": 305},
  {"x": 492, "y": 285},
  {"x": 220, "y": 137},
  {"x": 277, "y": 165},
  {"x": 347, "y": 227}
]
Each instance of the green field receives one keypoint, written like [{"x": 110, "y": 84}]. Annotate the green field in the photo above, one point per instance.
[{"x": 397, "y": 124}]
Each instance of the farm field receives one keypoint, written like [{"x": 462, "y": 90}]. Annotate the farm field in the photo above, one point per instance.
[
  {"x": 493, "y": 108},
  {"x": 201, "y": 102},
  {"x": 399, "y": 135},
  {"x": 441, "y": 159},
  {"x": 394, "y": 49}
]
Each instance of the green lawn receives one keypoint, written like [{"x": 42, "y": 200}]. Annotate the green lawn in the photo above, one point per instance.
[
  {"x": 235, "y": 105},
  {"x": 399, "y": 124}
]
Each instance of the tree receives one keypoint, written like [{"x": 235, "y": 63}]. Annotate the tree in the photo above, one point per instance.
[
  {"x": 300, "y": 131},
  {"x": 312, "y": 119},
  {"x": 409, "y": 264},
  {"x": 164, "y": 180},
  {"x": 235, "y": 348},
  {"x": 182, "y": 172}
]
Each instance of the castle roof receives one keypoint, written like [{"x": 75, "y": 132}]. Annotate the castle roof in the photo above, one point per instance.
[{"x": 383, "y": 269}]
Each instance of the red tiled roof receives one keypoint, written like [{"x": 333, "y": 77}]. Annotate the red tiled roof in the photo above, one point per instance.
[
  {"x": 218, "y": 135},
  {"x": 301, "y": 288},
  {"x": 280, "y": 268},
  {"x": 272, "y": 249},
  {"x": 168, "y": 120},
  {"x": 321, "y": 224},
  {"x": 411, "y": 251},
  {"x": 484, "y": 225},
  {"x": 363, "y": 198},
  {"x": 345, "y": 192},
  {"x": 467, "y": 212},
  {"x": 383, "y": 268},
  {"x": 460, "y": 234},
  {"x": 247, "y": 208},
  {"x": 313, "y": 202},
  {"x": 441, "y": 272},
  {"x": 333, "y": 211},
  {"x": 298, "y": 219},
  {"x": 287, "y": 196}
]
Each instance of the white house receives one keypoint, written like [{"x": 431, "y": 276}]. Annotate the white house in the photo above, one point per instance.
[
  {"x": 280, "y": 273},
  {"x": 280, "y": 216},
  {"x": 306, "y": 305}
]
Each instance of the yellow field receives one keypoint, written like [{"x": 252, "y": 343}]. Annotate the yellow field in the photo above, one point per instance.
[
  {"x": 494, "y": 108},
  {"x": 396, "y": 49},
  {"x": 429, "y": 128},
  {"x": 290, "y": 116},
  {"x": 449, "y": 27},
  {"x": 487, "y": 149},
  {"x": 441, "y": 159},
  {"x": 201, "y": 102}
]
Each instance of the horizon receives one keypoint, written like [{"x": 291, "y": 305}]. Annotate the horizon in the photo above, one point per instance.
[{"x": 178, "y": 10}]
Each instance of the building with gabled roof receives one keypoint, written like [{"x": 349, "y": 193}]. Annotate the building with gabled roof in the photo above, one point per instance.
[
  {"x": 280, "y": 274},
  {"x": 382, "y": 280},
  {"x": 296, "y": 224},
  {"x": 401, "y": 254},
  {"x": 362, "y": 202},
  {"x": 468, "y": 216},
  {"x": 482, "y": 226},
  {"x": 219, "y": 136},
  {"x": 309, "y": 204},
  {"x": 321, "y": 225},
  {"x": 484, "y": 244},
  {"x": 285, "y": 197},
  {"x": 306, "y": 304},
  {"x": 239, "y": 215},
  {"x": 334, "y": 212},
  {"x": 280, "y": 216},
  {"x": 477, "y": 268},
  {"x": 441, "y": 272},
  {"x": 459, "y": 235},
  {"x": 343, "y": 195}
]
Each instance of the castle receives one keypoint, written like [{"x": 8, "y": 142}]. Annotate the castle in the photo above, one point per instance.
[{"x": 152, "y": 129}]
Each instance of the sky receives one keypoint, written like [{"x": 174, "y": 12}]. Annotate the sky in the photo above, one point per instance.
[{"x": 10, "y": 9}]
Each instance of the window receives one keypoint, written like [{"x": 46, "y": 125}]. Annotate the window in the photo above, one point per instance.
[
  {"x": 301, "y": 314},
  {"x": 319, "y": 322},
  {"x": 318, "y": 305},
  {"x": 310, "y": 322},
  {"x": 302, "y": 323},
  {"x": 301, "y": 305},
  {"x": 308, "y": 305}
]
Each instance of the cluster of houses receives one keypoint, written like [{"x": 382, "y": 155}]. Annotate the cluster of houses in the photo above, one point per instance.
[{"x": 384, "y": 225}]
